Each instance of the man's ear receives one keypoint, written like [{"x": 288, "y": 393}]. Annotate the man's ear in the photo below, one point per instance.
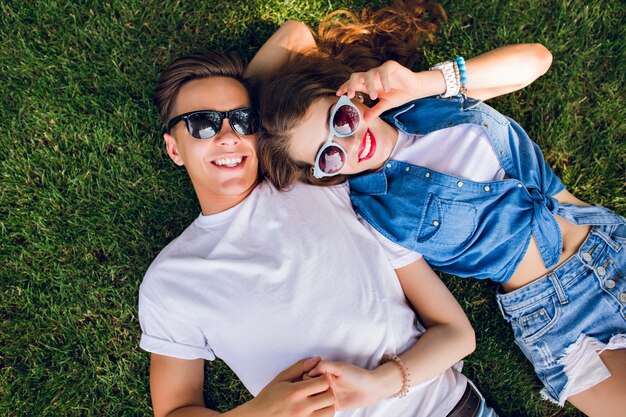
[{"x": 172, "y": 149}]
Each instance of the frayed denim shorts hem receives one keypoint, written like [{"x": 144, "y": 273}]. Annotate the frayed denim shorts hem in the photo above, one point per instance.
[{"x": 565, "y": 319}]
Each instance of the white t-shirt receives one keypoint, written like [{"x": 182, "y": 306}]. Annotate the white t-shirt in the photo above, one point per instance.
[
  {"x": 463, "y": 151},
  {"x": 282, "y": 277}
]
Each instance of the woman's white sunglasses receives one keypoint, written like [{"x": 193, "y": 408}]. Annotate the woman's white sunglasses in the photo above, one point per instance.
[{"x": 343, "y": 121}]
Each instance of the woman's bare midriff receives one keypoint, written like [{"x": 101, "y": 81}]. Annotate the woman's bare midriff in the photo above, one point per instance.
[{"x": 531, "y": 267}]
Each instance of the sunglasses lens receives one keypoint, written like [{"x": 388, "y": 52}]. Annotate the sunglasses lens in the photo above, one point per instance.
[
  {"x": 244, "y": 122},
  {"x": 204, "y": 125},
  {"x": 331, "y": 160},
  {"x": 345, "y": 120}
]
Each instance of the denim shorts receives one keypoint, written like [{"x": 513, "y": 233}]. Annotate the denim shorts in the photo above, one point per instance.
[{"x": 563, "y": 320}]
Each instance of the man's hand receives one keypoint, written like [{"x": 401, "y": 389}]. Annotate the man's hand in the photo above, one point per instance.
[{"x": 288, "y": 395}]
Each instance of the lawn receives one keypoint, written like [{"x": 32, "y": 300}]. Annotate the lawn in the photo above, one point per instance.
[{"x": 89, "y": 197}]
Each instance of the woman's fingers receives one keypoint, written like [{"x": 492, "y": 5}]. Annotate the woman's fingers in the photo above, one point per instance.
[
  {"x": 372, "y": 83},
  {"x": 385, "y": 75},
  {"x": 369, "y": 82},
  {"x": 295, "y": 371},
  {"x": 355, "y": 83},
  {"x": 327, "y": 368},
  {"x": 313, "y": 386},
  {"x": 380, "y": 107}
]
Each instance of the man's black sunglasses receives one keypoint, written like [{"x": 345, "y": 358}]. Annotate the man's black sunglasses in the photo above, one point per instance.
[{"x": 204, "y": 124}]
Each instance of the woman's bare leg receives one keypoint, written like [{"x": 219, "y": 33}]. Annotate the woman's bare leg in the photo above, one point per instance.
[{"x": 608, "y": 398}]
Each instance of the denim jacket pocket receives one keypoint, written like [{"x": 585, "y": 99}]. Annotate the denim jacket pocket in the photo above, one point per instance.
[
  {"x": 446, "y": 222},
  {"x": 537, "y": 319}
]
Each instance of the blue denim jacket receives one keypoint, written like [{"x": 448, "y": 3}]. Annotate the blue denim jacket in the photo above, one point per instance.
[{"x": 466, "y": 228}]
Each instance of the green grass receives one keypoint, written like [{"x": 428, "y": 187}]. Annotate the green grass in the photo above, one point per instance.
[{"x": 89, "y": 197}]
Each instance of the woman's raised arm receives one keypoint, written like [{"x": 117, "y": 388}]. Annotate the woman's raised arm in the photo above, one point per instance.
[
  {"x": 291, "y": 38},
  {"x": 497, "y": 72}
]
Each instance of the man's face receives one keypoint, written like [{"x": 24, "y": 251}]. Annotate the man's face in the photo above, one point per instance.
[{"x": 224, "y": 168}]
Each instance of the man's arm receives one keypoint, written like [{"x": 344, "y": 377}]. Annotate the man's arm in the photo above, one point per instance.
[{"x": 176, "y": 388}]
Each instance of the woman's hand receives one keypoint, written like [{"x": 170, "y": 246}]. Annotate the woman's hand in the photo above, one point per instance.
[
  {"x": 353, "y": 387},
  {"x": 393, "y": 85}
]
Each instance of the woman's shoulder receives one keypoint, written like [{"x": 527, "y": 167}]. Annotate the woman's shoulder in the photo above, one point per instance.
[{"x": 428, "y": 114}]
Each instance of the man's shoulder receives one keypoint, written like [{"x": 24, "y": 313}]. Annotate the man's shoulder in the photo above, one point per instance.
[
  {"x": 174, "y": 255},
  {"x": 307, "y": 192}
]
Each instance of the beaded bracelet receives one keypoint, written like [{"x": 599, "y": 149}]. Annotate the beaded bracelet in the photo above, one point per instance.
[
  {"x": 462, "y": 71},
  {"x": 406, "y": 376}
]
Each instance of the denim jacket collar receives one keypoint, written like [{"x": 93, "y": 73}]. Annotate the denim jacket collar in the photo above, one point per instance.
[{"x": 374, "y": 183}]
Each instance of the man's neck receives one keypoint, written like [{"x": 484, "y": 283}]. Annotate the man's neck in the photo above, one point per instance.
[{"x": 213, "y": 204}]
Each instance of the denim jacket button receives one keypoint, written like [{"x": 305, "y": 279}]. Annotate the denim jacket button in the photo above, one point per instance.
[
  {"x": 435, "y": 223},
  {"x": 388, "y": 165},
  {"x": 428, "y": 175},
  {"x": 601, "y": 271},
  {"x": 622, "y": 297},
  {"x": 609, "y": 284},
  {"x": 487, "y": 188},
  {"x": 459, "y": 184},
  {"x": 586, "y": 256},
  {"x": 519, "y": 185},
  {"x": 407, "y": 169}
]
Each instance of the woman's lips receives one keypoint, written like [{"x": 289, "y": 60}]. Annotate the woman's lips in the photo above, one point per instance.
[{"x": 368, "y": 146}]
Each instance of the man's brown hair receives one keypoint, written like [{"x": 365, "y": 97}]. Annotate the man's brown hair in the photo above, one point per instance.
[{"x": 193, "y": 67}]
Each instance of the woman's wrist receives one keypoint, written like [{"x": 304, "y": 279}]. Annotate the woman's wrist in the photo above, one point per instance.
[
  {"x": 429, "y": 83},
  {"x": 389, "y": 379}
]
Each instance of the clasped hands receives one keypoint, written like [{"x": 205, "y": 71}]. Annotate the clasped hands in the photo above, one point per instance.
[{"x": 317, "y": 388}]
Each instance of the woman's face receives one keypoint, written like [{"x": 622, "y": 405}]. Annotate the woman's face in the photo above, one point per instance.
[{"x": 367, "y": 148}]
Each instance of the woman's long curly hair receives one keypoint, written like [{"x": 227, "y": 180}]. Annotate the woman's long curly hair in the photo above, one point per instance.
[{"x": 346, "y": 43}]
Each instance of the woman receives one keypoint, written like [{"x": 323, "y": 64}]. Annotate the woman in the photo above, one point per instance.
[
  {"x": 236, "y": 285},
  {"x": 458, "y": 182}
]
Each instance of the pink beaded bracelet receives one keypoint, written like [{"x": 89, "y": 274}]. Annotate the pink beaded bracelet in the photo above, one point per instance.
[{"x": 406, "y": 376}]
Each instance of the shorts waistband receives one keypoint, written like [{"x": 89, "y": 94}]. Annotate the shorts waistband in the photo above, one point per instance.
[
  {"x": 468, "y": 405},
  {"x": 590, "y": 253}
]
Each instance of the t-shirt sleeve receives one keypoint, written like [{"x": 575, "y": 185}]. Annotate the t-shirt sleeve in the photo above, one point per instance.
[
  {"x": 399, "y": 256},
  {"x": 165, "y": 334}
]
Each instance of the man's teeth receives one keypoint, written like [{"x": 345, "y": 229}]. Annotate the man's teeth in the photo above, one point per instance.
[
  {"x": 229, "y": 162},
  {"x": 368, "y": 145}
]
